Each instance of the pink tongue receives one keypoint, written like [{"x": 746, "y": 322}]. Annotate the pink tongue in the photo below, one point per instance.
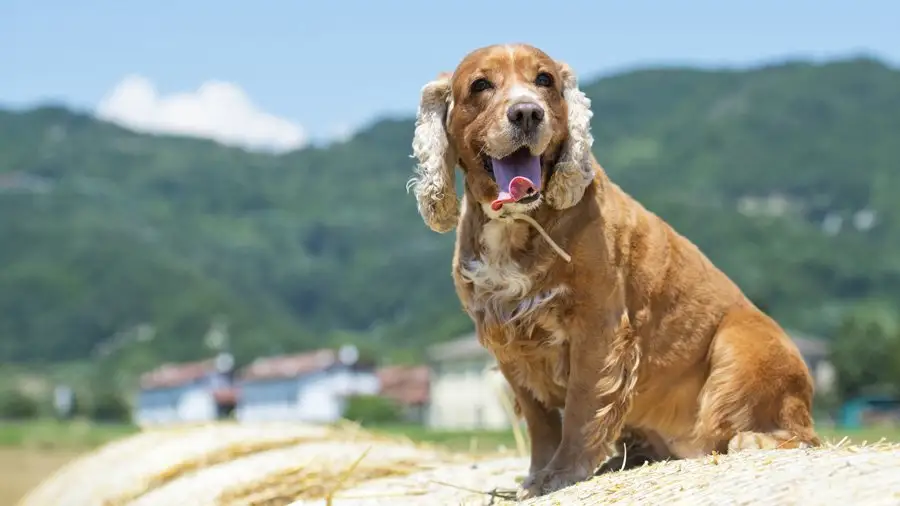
[{"x": 518, "y": 176}]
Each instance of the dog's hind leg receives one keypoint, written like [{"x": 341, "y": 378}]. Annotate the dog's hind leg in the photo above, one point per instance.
[{"x": 758, "y": 394}]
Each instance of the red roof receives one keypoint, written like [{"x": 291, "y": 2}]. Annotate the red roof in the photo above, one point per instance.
[
  {"x": 407, "y": 385},
  {"x": 289, "y": 366},
  {"x": 173, "y": 375},
  {"x": 226, "y": 396}
]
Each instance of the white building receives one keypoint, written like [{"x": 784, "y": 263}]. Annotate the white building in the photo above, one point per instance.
[
  {"x": 308, "y": 387},
  {"x": 467, "y": 391},
  {"x": 185, "y": 393},
  {"x": 816, "y": 353}
]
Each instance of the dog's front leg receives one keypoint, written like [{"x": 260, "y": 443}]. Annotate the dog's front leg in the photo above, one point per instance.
[
  {"x": 543, "y": 422},
  {"x": 602, "y": 375}
]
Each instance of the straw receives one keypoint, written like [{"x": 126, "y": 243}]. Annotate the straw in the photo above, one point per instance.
[
  {"x": 287, "y": 465},
  {"x": 217, "y": 456}
]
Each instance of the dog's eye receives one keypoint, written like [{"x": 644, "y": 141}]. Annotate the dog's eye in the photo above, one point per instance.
[
  {"x": 480, "y": 85},
  {"x": 544, "y": 79}
]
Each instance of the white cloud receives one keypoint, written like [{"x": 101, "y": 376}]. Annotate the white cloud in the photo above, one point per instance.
[{"x": 217, "y": 110}]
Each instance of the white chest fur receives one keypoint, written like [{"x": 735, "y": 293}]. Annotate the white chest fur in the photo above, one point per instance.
[
  {"x": 501, "y": 287},
  {"x": 495, "y": 273}
]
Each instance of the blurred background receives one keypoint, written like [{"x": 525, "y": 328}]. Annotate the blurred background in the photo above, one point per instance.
[{"x": 203, "y": 212}]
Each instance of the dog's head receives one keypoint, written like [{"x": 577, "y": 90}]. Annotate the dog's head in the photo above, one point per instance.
[{"x": 516, "y": 123}]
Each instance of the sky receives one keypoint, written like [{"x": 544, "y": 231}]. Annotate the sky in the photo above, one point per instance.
[{"x": 276, "y": 75}]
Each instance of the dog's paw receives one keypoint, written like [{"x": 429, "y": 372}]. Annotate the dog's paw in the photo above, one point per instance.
[
  {"x": 764, "y": 441},
  {"x": 547, "y": 481}
]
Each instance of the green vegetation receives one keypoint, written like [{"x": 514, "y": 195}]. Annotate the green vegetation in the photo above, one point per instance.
[
  {"x": 866, "y": 352},
  {"x": 18, "y": 405},
  {"x": 105, "y": 230},
  {"x": 457, "y": 440},
  {"x": 369, "y": 409},
  {"x": 77, "y": 435}
]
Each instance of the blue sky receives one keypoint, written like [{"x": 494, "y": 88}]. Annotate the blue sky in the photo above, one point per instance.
[{"x": 324, "y": 67}]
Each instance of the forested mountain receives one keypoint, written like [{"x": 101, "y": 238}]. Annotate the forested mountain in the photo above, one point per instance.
[{"x": 785, "y": 175}]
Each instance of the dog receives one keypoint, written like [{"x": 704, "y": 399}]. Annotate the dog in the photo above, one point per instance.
[{"x": 602, "y": 318}]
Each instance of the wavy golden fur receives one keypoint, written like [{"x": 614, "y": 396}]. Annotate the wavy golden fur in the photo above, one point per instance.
[{"x": 639, "y": 339}]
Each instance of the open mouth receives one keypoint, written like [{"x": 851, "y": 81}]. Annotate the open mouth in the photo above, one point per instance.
[{"x": 518, "y": 176}]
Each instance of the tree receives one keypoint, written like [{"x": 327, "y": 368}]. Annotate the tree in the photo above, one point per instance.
[
  {"x": 17, "y": 405},
  {"x": 110, "y": 406},
  {"x": 372, "y": 409},
  {"x": 866, "y": 351}
]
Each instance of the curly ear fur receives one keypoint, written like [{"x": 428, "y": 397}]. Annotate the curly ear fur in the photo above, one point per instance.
[
  {"x": 435, "y": 180},
  {"x": 575, "y": 169}
]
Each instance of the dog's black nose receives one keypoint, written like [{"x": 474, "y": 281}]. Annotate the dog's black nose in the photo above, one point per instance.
[{"x": 526, "y": 115}]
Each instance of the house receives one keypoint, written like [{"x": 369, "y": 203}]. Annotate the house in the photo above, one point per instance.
[
  {"x": 815, "y": 353},
  {"x": 309, "y": 387},
  {"x": 875, "y": 410},
  {"x": 186, "y": 392},
  {"x": 408, "y": 387},
  {"x": 467, "y": 391}
]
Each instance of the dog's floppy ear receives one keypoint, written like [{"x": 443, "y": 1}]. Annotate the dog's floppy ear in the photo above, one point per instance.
[
  {"x": 574, "y": 170},
  {"x": 435, "y": 180}
]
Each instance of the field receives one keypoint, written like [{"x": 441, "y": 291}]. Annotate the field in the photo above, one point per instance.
[{"x": 31, "y": 451}]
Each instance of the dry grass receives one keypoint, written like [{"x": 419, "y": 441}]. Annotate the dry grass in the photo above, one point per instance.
[
  {"x": 231, "y": 465},
  {"x": 122, "y": 471},
  {"x": 520, "y": 435},
  {"x": 841, "y": 473},
  {"x": 21, "y": 469},
  {"x": 216, "y": 456},
  {"x": 313, "y": 482}
]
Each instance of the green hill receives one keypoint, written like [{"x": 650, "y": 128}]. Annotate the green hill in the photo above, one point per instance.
[{"x": 785, "y": 175}]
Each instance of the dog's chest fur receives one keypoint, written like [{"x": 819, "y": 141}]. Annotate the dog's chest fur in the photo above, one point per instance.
[{"x": 515, "y": 306}]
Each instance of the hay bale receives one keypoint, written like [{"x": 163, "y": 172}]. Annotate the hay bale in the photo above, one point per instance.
[
  {"x": 123, "y": 470},
  {"x": 296, "y": 465},
  {"x": 832, "y": 475}
]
